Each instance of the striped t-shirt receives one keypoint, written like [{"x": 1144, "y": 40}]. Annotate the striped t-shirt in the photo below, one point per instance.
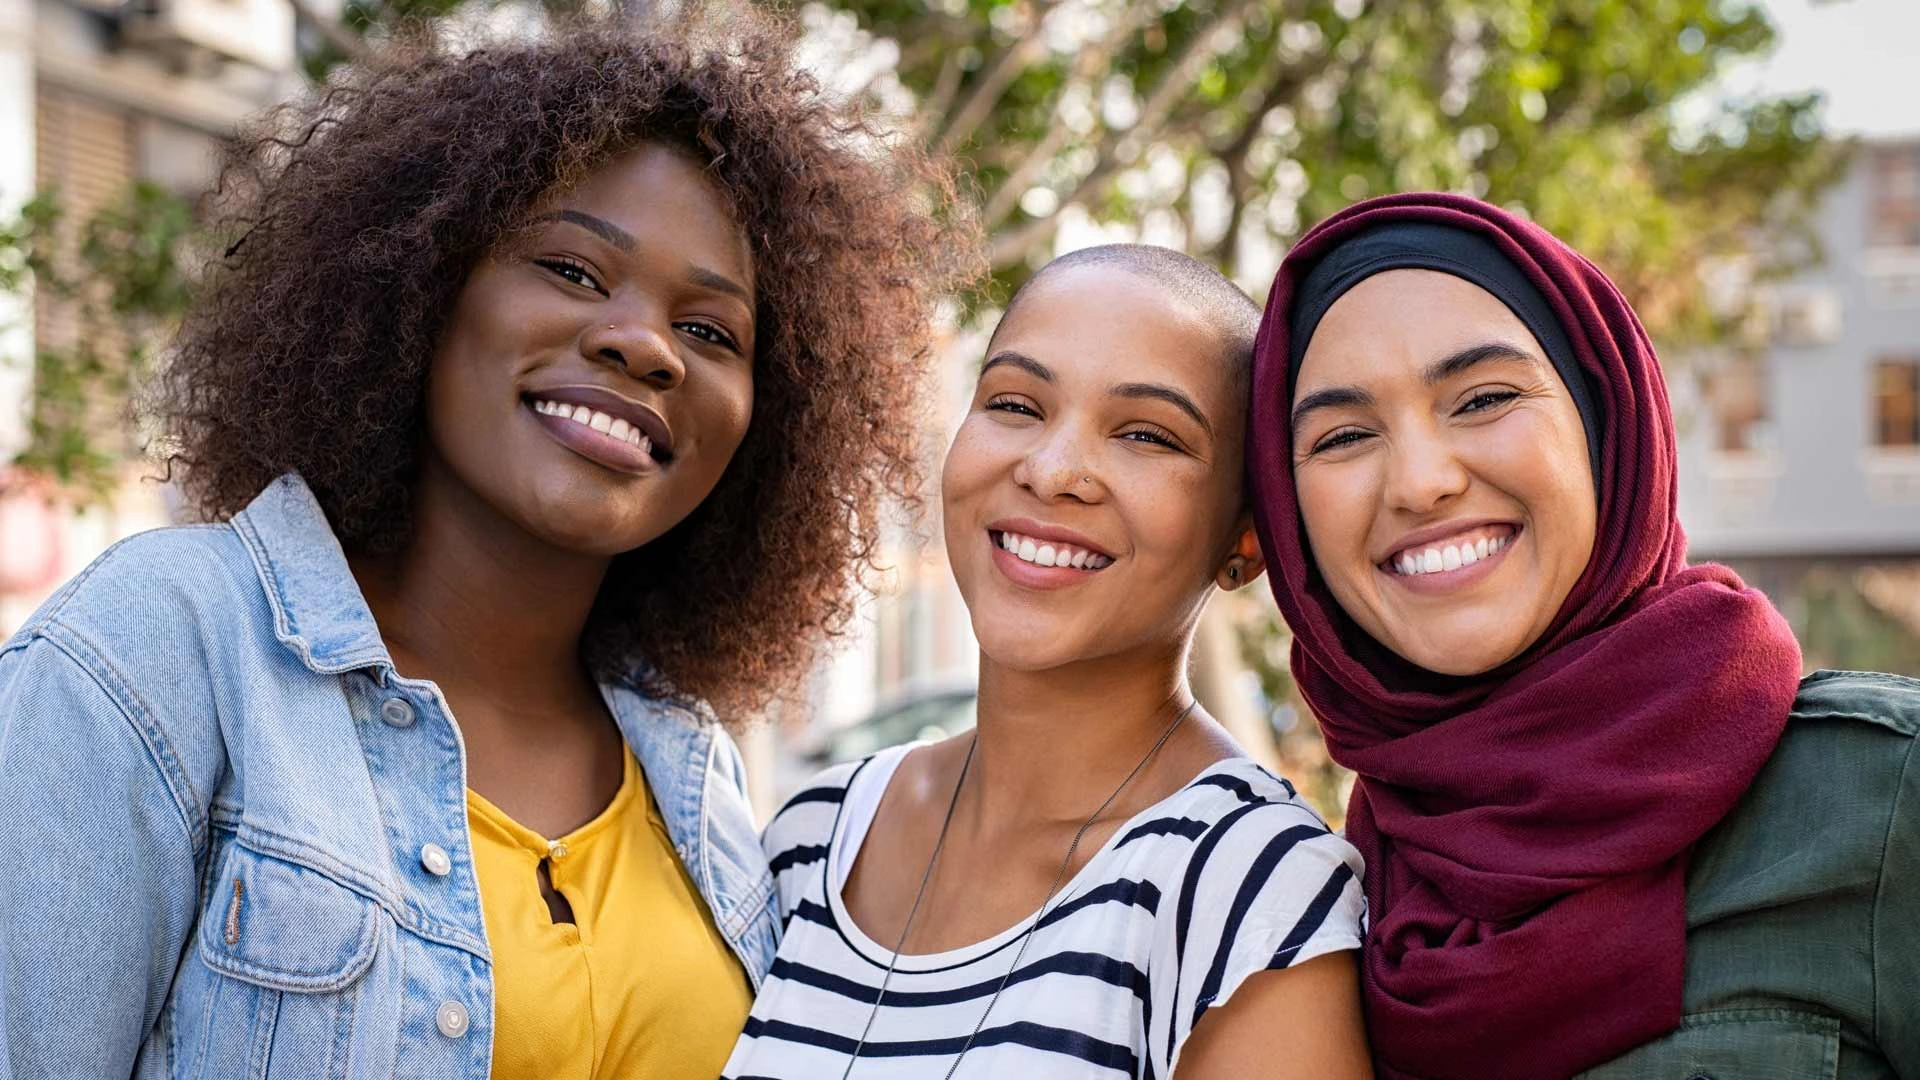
[{"x": 1230, "y": 875}]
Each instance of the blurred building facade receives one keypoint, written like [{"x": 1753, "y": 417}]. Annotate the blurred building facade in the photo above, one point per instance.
[
  {"x": 94, "y": 95},
  {"x": 1800, "y": 454}
]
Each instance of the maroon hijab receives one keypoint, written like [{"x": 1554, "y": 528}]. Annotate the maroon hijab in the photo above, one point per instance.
[{"x": 1526, "y": 831}]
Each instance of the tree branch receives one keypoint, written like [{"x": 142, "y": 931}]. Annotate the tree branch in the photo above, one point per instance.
[
  {"x": 343, "y": 40},
  {"x": 1087, "y": 65},
  {"x": 1120, "y": 149},
  {"x": 993, "y": 82}
]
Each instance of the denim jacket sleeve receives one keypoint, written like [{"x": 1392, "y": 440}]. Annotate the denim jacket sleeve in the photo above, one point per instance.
[{"x": 99, "y": 888}]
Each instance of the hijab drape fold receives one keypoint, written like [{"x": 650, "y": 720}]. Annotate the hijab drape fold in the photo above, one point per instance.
[{"x": 1527, "y": 831}]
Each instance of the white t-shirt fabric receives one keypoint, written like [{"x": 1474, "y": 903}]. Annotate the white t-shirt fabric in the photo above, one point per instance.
[{"x": 1231, "y": 875}]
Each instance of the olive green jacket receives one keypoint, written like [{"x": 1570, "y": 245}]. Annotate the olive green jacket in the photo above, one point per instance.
[{"x": 1803, "y": 906}]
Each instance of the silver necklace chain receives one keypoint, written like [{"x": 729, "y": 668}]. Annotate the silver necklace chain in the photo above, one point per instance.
[{"x": 1026, "y": 936}]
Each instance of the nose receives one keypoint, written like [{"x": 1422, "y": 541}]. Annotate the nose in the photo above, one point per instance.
[
  {"x": 638, "y": 344},
  {"x": 1423, "y": 473},
  {"x": 1061, "y": 465}
]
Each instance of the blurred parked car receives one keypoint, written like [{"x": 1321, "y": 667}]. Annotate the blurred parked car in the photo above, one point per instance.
[{"x": 927, "y": 715}]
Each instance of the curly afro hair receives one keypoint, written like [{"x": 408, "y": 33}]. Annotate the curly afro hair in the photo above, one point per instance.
[{"x": 360, "y": 213}]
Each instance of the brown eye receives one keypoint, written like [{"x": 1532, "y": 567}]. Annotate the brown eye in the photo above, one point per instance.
[
  {"x": 1488, "y": 399},
  {"x": 570, "y": 271},
  {"x": 1339, "y": 439}
]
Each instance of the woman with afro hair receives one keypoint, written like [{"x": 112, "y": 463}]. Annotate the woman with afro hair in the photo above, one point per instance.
[{"x": 557, "y": 387}]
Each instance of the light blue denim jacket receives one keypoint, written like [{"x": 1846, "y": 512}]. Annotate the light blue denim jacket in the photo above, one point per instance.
[{"x": 215, "y": 793}]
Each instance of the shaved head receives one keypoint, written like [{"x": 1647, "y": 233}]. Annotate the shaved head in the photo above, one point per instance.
[{"x": 1188, "y": 282}]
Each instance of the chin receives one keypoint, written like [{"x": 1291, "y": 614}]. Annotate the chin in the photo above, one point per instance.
[
  {"x": 600, "y": 528},
  {"x": 1443, "y": 659},
  {"x": 1028, "y": 649}
]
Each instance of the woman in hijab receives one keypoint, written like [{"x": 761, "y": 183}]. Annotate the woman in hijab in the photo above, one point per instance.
[{"x": 1609, "y": 830}]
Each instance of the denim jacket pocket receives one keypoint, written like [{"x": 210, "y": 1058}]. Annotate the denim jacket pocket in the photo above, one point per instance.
[
  {"x": 282, "y": 949},
  {"x": 1735, "y": 1044}
]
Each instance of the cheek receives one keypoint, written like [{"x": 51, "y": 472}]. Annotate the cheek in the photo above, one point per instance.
[
  {"x": 981, "y": 450},
  {"x": 1541, "y": 460},
  {"x": 1337, "y": 502}
]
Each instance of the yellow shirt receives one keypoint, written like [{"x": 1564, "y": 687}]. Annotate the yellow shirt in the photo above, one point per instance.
[{"x": 640, "y": 986}]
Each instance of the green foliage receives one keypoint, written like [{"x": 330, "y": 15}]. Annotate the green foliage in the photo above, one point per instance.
[
  {"x": 117, "y": 283},
  {"x": 1593, "y": 116}
]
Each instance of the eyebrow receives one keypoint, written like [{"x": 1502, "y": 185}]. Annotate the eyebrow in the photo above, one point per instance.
[
  {"x": 1135, "y": 390},
  {"x": 624, "y": 240},
  {"x": 1447, "y": 367},
  {"x": 1439, "y": 371},
  {"x": 1157, "y": 392},
  {"x": 1009, "y": 358}
]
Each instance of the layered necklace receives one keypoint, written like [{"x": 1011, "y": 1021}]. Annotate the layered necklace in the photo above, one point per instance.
[{"x": 1026, "y": 936}]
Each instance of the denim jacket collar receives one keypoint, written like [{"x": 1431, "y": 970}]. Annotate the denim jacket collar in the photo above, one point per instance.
[{"x": 318, "y": 610}]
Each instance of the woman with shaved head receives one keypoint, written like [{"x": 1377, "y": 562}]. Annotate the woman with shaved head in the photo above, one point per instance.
[{"x": 1095, "y": 882}]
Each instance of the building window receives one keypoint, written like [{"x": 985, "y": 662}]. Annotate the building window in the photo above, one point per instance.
[
  {"x": 1896, "y": 403},
  {"x": 1737, "y": 393},
  {"x": 1894, "y": 197}
]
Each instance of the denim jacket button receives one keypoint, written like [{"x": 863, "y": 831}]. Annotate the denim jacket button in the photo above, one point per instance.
[
  {"x": 434, "y": 858},
  {"x": 451, "y": 1019},
  {"x": 397, "y": 713}
]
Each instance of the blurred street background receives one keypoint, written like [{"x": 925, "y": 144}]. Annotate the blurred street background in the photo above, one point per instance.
[{"x": 1749, "y": 172}]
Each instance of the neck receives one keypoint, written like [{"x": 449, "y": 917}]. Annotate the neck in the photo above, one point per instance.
[
  {"x": 1052, "y": 744},
  {"x": 475, "y": 600}
]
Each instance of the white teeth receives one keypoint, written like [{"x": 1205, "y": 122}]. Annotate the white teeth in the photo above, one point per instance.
[
  {"x": 1027, "y": 549},
  {"x": 598, "y": 421},
  {"x": 1435, "y": 560}
]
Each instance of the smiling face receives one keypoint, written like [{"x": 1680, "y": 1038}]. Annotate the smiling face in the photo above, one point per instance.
[
  {"x": 596, "y": 374},
  {"x": 1092, "y": 495},
  {"x": 1442, "y": 471}
]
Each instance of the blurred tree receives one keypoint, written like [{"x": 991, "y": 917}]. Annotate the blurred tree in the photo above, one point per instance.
[
  {"x": 1228, "y": 126},
  {"x": 111, "y": 286}
]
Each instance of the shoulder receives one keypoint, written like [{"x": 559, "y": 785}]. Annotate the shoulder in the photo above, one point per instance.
[
  {"x": 1825, "y": 802},
  {"x": 1238, "y": 838},
  {"x": 154, "y": 583},
  {"x": 1851, "y": 734},
  {"x": 1881, "y": 700},
  {"x": 799, "y": 830}
]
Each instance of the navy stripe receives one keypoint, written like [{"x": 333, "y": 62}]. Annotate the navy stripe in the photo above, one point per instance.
[
  {"x": 799, "y": 855},
  {"x": 808, "y": 911},
  {"x": 1172, "y": 826},
  {"x": 1072, "y": 1044},
  {"x": 1314, "y": 917},
  {"x": 1140, "y": 894},
  {"x": 833, "y": 796},
  {"x": 1243, "y": 790},
  {"x": 1189, "y": 885},
  {"x": 1259, "y": 876},
  {"x": 817, "y": 794},
  {"x": 1106, "y": 969}
]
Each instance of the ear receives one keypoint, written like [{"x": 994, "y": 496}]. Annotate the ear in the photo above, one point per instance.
[{"x": 1244, "y": 563}]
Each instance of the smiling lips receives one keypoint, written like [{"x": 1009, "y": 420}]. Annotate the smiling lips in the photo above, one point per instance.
[
  {"x": 598, "y": 421},
  {"x": 1446, "y": 554}
]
